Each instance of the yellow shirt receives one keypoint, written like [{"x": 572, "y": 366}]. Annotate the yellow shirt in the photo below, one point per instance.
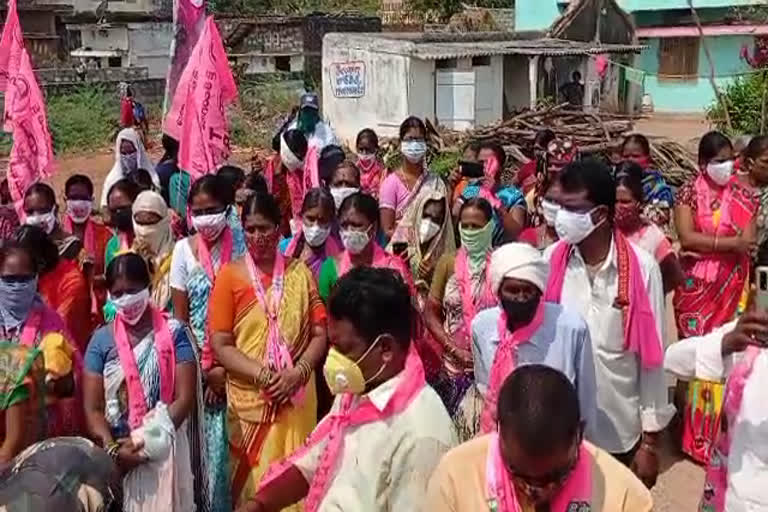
[{"x": 458, "y": 483}]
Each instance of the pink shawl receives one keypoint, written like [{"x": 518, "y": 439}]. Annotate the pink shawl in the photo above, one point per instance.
[
  {"x": 640, "y": 333},
  {"x": 708, "y": 223},
  {"x": 349, "y": 415},
  {"x": 89, "y": 238},
  {"x": 370, "y": 177},
  {"x": 206, "y": 261},
  {"x": 577, "y": 489},
  {"x": 470, "y": 303}
]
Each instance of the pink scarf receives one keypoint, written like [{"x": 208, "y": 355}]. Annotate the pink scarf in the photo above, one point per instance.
[
  {"x": 485, "y": 191},
  {"x": 504, "y": 362},
  {"x": 301, "y": 180},
  {"x": 381, "y": 259},
  {"x": 716, "y": 485},
  {"x": 370, "y": 177},
  {"x": 469, "y": 305},
  {"x": 707, "y": 269},
  {"x": 269, "y": 172},
  {"x": 577, "y": 489},
  {"x": 89, "y": 238},
  {"x": 349, "y": 416},
  {"x": 640, "y": 333},
  {"x": 166, "y": 354},
  {"x": 206, "y": 261},
  {"x": 278, "y": 355}
]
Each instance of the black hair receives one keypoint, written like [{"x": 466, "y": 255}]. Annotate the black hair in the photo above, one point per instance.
[
  {"x": 256, "y": 182},
  {"x": 213, "y": 186},
  {"x": 297, "y": 143},
  {"x": 593, "y": 176},
  {"x": 171, "y": 147},
  {"x": 639, "y": 139},
  {"x": 10, "y": 246},
  {"x": 367, "y": 133},
  {"x": 539, "y": 408},
  {"x": 630, "y": 175},
  {"x": 363, "y": 203},
  {"x": 412, "y": 122},
  {"x": 78, "y": 179},
  {"x": 376, "y": 301},
  {"x": 756, "y": 147},
  {"x": 41, "y": 189},
  {"x": 125, "y": 186},
  {"x": 142, "y": 179},
  {"x": 330, "y": 158},
  {"x": 231, "y": 176},
  {"x": 473, "y": 146},
  {"x": 711, "y": 144},
  {"x": 346, "y": 164},
  {"x": 130, "y": 266},
  {"x": 479, "y": 203},
  {"x": 544, "y": 137},
  {"x": 318, "y": 197},
  {"x": 35, "y": 240},
  {"x": 576, "y": 75},
  {"x": 262, "y": 204},
  {"x": 498, "y": 150}
]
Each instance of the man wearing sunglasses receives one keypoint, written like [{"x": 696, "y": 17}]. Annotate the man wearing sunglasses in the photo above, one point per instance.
[{"x": 538, "y": 460}]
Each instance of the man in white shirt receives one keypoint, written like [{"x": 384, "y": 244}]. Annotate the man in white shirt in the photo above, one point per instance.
[
  {"x": 715, "y": 356},
  {"x": 319, "y": 133},
  {"x": 632, "y": 401},
  {"x": 387, "y": 429}
]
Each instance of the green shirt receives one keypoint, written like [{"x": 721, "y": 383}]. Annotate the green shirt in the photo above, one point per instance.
[{"x": 327, "y": 278}]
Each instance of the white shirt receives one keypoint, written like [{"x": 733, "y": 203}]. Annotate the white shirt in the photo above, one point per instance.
[
  {"x": 385, "y": 466},
  {"x": 701, "y": 357},
  {"x": 322, "y": 136},
  {"x": 630, "y": 400}
]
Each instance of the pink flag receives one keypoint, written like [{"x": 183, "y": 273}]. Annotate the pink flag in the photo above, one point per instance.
[
  {"x": 11, "y": 45},
  {"x": 206, "y": 88},
  {"x": 32, "y": 151},
  {"x": 188, "y": 22}
]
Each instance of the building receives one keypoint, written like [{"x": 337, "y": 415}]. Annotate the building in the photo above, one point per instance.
[
  {"x": 459, "y": 81},
  {"x": 44, "y": 33}
]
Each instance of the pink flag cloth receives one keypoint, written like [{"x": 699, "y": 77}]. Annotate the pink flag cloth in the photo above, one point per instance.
[
  {"x": 188, "y": 22},
  {"x": 11, "y": 46},
  {"x": 197, "y": 118},
  {"x": 32, "y": 151}
]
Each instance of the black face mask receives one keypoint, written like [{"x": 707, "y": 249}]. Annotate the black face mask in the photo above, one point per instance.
[
  {"x": 520, "y": 312},
  {"x": 122, "y": 218}
]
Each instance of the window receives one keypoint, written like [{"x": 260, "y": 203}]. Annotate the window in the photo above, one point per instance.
[
  {"x": 283, "y": 63},
  {"x": 483, "y": 60},
  {"x": 679, "y": 58},
  {"x": 115, "y": 62},
  {"x": 446, "y": 63}
]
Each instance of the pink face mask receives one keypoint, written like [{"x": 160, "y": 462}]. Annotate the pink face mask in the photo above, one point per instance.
[{"x": 642, "y": 161}]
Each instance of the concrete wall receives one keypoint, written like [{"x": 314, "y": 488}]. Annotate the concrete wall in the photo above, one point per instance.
[
  {"x": 112, "y": 38},
  {"x": 692, "y": 95},
  {"x": 517, "y": 91},
  {"x": 421, "y": 90},
  {"x": 149, "y": 45},
  {"x": 663, "y": 5}
]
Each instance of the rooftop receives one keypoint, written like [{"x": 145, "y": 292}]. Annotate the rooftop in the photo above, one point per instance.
[{"x": 436, "y": 46}]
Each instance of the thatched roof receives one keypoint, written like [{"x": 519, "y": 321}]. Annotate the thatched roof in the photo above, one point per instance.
[{"x": 579, "y": 20}]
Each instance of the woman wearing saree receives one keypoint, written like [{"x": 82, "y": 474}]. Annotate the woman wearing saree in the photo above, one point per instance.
[
  {"x": 459, "y": 291},
  {"x": 38, "y": 362},
  {"x": 268, "y": 332},
  {"x": 196, "y": 261},
  {"x": 40, "y": 210},
  {"x": 154, "y": 241},
  {"x": 714, "y": 216},
  {"x": 657, "y": 195},
  {"x": 141, "y": 397}
]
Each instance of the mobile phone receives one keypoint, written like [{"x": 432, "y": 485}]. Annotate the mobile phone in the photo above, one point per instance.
[
  {"x": 761, "y": 296},
  {"x": 399, "y": 248},
  {"x": 472, "y": 169}
]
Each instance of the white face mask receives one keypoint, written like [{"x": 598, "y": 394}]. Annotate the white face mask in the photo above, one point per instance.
[
  {"x": 355, "y": 241},
  {"x": 315, "y": 234},
  {"x": 720, "y": 172},
  {"x": 131, "y": 306},
  {"x": 210, "y": 226},
  {"x": 414, "y": 150},
  {"x": 79, "y": 210},
  {"x": 366, "y": 157},
  {"x": 574, "y": 227},
  {"x": 45, "y": 221},
  {"x": 549, "y": 210},
  {"x": 341, "y": 193},
  {"x": 428, "y": 230}
]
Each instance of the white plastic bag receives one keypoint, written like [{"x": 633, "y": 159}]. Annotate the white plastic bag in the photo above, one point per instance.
[{"x": 157, "y": 433}]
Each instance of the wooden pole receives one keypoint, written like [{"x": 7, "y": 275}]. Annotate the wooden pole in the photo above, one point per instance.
[{"x": 720, "y": 97}]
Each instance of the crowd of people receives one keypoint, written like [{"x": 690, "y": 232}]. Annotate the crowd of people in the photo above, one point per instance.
[{"x": 324, "y": 333}]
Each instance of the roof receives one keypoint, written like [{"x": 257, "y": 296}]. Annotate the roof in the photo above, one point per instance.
[
  {"x": 95, "y": 53},
  {"x": 450, "y": 46}
]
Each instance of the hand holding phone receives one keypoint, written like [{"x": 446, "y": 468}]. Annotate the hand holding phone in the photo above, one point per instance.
[{"x": 472, "y": 169}]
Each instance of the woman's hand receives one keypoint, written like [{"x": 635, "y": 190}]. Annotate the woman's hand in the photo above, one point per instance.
[
  {"x": 425, "y": 268},
  {"x": 129, "y": 454},
  {"x": 215, "y": 385},
  {"x": 284, "y": 385}
]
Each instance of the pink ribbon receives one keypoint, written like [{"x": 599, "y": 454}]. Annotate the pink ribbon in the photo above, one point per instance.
[{"x": 470, "y": 305}]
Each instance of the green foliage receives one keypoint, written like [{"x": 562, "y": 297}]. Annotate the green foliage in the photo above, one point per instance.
[
  {"x": 444, "y": 9},
  {"x": 297, "y": 7},
  {"x": 744, "y": 97},
  {"x": 254, "y": 120},
  {"x": 444, "y": 163}
]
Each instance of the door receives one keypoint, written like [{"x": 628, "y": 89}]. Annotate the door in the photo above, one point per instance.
[{"x": 455, "y": 99}]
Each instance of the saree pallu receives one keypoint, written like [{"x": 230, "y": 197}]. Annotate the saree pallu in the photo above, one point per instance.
[
  {"x": 65, "y": 289},
  {"x": 22, "y": 381},
  {"x": 701, "y": 420}
]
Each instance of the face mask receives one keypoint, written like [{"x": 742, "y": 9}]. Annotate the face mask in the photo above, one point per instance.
[
  {"x": 414, "y": 150},
  {"x": 122, "y": 218},
  {"x": 210, "y": 226},
  {"x": 131, "y": 306},
  {"x": 15, "y": 301},
  {"x": 316, "y": 235},
  {"x": 355, "y": 241},
  {"x": 129, "y": 162},
  {"x": 477, "y": 241},
  {"x": 307, "y": 120},
  {"x": 152, "y": 235},
  {"x": 344, "y": 375},
  {"x": 520, "y": 312},
  {"x": 549, "y": 210},
  {"x": 627, "y": 217},
  {"x": 366, "y": 158},
  {"x": 79, "y": 210},
  {"x": 720, "y": 172},
  {"x": 45, "y": 221},
  {"x": 262, "y": 245},
  {"x": 574, "y": 227},
  {"x": 428, "y": 230},
  {"x": 643, "y": 161},
  {"x": 341, "y": 193}
]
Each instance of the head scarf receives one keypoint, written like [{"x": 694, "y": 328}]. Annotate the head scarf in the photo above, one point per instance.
[
  {"x": 560, "y": 152},
  {"x": 519, "y": 261},
  {"x": 155, "y": 243},
  {"x": 442, "y": 243},
  {"x": 142, "y": 162}
]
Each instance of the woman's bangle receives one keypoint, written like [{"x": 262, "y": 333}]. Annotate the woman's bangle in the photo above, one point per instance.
[
  {"x": 262, "y": 377},
  {"x": 112, "y": 448},
  {"x": 305, "y": 369}
]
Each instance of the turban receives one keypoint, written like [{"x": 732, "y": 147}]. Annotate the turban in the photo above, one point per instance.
[{"x": 519, "y": 261}]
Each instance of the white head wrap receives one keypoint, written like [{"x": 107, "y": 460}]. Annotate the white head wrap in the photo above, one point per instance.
[
  {"x": 518, "y": 261},
  {"x": 289, "y": 159}
]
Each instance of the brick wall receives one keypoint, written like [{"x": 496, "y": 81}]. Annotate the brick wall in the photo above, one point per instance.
[
  {"x": 69, "y": 76},
  {"x": 263, "y": 34}
]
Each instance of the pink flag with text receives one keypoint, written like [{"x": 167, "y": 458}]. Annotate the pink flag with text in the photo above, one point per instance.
[
  {"x": 32, "y": 151},
  {"x": 199, "y": 119},
  {"x": 188, "y": 22},
  {"x": 11, "y": 45}
]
